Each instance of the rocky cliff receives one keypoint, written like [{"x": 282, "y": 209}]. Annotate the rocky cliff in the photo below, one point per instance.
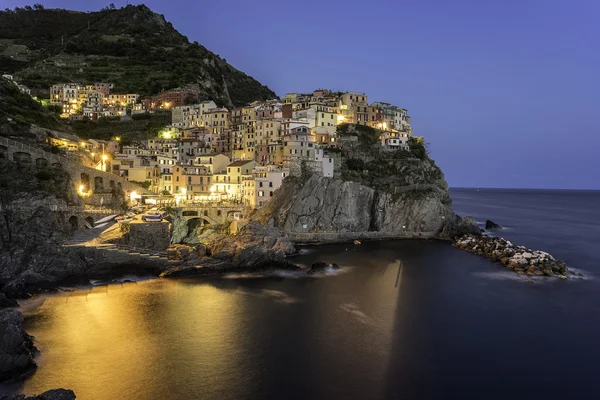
[
  {"x": 255, "y": 247},
  {"x": 377, "y": 194},
  {"x": 16, "y": 347}
]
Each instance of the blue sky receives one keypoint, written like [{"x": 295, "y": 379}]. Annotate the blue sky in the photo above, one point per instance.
[{"x": 506, "y": 92}]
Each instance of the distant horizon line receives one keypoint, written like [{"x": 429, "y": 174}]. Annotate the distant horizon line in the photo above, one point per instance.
[{"x": 521, "y": 188}]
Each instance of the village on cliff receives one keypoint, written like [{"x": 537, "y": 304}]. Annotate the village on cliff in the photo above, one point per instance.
[{"x": 215, "y": 154}]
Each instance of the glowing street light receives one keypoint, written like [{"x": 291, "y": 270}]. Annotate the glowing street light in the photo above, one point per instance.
[{"x": 104, "y": 157}]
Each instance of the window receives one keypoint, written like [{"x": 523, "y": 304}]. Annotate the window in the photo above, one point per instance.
[
  {"x": 271, "y": 193},
  {"x": 270, "y": 184}
]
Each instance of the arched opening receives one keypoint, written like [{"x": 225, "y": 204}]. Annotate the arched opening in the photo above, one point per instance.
[
  {"x": 205, "y": 213},
  {"x": 190, "y": 213},
  {"x": 41, "y": 162},
  {"x": 85, "y": 182},
  {"x": 89, "y": 222},
  {"x": 98, "y": 184},
  {"x": 218, "y": 213},
  {"x": 3, "y": 151},
  {"x": 22, "y": 157},
  {"x": 74, "y": 222},
  {"x": 194, "y": 223}
]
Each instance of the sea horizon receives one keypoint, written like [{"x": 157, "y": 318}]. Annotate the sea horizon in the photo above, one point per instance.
[{"x": 521, "y": 188}]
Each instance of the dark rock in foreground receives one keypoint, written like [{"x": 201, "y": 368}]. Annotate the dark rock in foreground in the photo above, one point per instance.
[
  {"x": 521, "y": 260},
  {"x": 213, "y": 267},
  {"x": 492, "y": 226},
  {"x": 55, "y": 394},
  {"x": 16, "y": 347},
  {"x": 5, "y": 302},
  {"x": 320, "y": 266}
]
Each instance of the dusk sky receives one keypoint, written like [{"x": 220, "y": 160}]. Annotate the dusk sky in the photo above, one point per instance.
[{"x": 506, "y": 92}]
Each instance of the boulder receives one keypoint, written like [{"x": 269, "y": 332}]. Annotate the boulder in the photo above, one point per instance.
[
  {"x": 16, "y": 347},
  {"x": 319, "y": 266},
  {"x": 492, "y": 226},
  {"x": 6, "y": 302}
]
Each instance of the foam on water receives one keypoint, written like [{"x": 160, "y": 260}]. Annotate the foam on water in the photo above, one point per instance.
[{"x": 355, "y": 311}]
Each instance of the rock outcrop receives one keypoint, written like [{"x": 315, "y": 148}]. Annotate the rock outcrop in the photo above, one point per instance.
[
  {"x": 320, "y": 266},
  {"x": 55, "y": 394},
  {"x": 16, "y": 347},
  {"x": 521, "y": 260},
  {"x": 492, "y": 226},
  {"x": 254, "y": 248},
  {"x": 31, "y": 249}
]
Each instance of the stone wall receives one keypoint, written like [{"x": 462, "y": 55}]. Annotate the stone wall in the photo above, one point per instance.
[
  {"x": 150, "y": 236},
  {"x": 94, "y": 181}
]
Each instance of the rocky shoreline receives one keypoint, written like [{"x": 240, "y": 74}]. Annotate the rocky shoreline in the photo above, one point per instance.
[{"x": 519, "y": 259}]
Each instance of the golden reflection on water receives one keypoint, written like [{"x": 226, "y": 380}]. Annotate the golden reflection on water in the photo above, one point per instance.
[
  {"x": 370, "y": 305},
  {"x": 145, "y": 325},
  {"x": 222, "y": 339}
]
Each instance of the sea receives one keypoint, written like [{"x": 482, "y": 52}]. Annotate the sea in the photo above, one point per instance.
[{"x": 410, "y": 319}]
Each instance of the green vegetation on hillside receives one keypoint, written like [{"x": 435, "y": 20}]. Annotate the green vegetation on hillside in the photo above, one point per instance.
[
  {"x": 365, "y": 162},
  {"x": 128, "y": 130},
  {"x": 18, "y": 109},
  {"x": 132, "y": 47}
]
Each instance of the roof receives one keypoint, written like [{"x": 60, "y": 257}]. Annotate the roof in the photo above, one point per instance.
[{"x": 240, "y": 163}]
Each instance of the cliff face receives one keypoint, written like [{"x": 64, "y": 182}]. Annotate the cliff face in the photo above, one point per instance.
[{"x": 378, "y": 194}]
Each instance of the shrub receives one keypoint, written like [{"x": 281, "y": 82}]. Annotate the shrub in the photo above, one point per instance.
[
  {"x": 43, "y": 175},
  {"x": 356, "y": 164}
]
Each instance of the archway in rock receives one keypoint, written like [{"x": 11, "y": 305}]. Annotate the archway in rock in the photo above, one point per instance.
[
  {"x": 22, "y": 157},
  {"x": 41, "y": 162},
  {"x": 89, "y": 222},
  {"x": 85, "y": 181},
  {"x": 74, "y": 222},
  {"x": 98, "y": 184}
]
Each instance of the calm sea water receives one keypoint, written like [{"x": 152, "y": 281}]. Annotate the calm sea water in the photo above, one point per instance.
[{"x": 401, "y": 320}]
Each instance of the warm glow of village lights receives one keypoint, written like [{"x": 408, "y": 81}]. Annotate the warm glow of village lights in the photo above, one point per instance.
[{"x": 81, "y": 189}]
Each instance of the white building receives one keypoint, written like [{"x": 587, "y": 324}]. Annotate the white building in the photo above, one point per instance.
[{"x": 259, "y": 187}]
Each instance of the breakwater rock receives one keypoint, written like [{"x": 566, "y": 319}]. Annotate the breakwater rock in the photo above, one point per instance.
[{"x": 521, "y": 260}]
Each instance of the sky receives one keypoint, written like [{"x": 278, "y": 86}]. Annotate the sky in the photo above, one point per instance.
[{"x": 506, "y": 93}]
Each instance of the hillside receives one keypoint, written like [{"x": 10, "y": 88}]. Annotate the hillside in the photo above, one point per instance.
[
  {"x": 18, "y": 111},
  {"x": 132, "y": 47}
]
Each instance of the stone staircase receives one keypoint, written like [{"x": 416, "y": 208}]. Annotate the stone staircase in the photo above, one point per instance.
[{"x": 125, "y": 253}]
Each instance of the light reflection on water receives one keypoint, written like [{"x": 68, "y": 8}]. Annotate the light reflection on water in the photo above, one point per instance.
[{"x": 216, "y": 338}]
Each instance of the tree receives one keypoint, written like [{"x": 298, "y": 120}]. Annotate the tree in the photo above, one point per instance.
[{"x": 38, "y": 6}]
